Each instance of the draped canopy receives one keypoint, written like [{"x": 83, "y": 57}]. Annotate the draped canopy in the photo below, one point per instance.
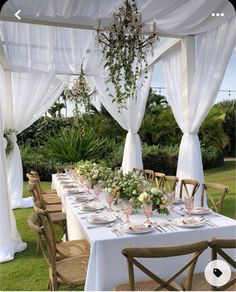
[{"x": 53, "y": 37}]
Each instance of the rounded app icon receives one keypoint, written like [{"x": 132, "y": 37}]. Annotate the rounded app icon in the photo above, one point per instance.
[{"x": 217, "y": 273}]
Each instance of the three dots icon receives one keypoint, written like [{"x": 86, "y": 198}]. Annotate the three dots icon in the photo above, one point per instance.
[{"x": 217, "y": 14}]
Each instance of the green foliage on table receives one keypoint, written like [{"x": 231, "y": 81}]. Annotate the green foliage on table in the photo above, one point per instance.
[{"x": 94, "y": 172}]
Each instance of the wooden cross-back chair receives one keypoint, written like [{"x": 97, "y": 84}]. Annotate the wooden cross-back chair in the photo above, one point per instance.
[
  {"x": 48, "y": 198},
  {"x": 148, "y": 174},
  {"x": 169, "y": 183},
  {"x": 137, "y": 171},
  {"x": 190, "y": 186},
  {"x": 48, "y": 191},
  {"x": 157, "y": 283},
  {"x": 70, "y": 271},
  {"x": 215, "y": 194},
  {"x": 52, "y": 206},
  {"x": 64, "y": 249},
  {"x": 218, "y": 246},
  {"x": 159, "y": 179}
]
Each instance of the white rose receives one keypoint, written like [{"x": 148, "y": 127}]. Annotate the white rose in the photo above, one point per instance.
[
  {"x": 154, "y": 191},
  {"x": 134, "y": 192}
]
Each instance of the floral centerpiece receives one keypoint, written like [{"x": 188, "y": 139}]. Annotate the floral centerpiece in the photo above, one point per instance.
[
  {"x": 95, "y": 173},
  {"x": 158, "y": 198},
  {"x": 130, "y": 187}
]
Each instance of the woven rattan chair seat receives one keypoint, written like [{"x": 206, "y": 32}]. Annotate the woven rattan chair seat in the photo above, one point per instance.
[
  {"x": 149, "y": 285},
  {"x": 199, "y": 283},
  {"x": 73, "y": 248},
  {"x": 72, "y": 270},
  {"x": 54, "y": 208},
  {"x": 51, "y": 201},
  {"x": 58, "y": 217}
]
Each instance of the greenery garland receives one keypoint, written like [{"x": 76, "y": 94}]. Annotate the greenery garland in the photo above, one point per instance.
[
  {"x": 80, "y": 94},
  {"x": 10, "y": 144},
  {"x": 125, "y": 49}
]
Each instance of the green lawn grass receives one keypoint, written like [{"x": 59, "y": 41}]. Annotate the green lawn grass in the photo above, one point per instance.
[{"x": 29, "y": 271}]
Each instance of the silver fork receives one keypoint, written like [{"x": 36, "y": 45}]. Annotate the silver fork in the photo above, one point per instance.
[{"x": 115, "y": 231}]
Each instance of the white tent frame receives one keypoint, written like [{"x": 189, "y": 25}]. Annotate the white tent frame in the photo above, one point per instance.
[{"x": 187, "y": 45}]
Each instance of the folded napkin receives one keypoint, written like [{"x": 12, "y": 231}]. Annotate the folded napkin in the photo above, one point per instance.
[
  {"x": 98, "y": 218},
  {"x": 138, "y": 227},
  {"x": 191, "y": 221}
]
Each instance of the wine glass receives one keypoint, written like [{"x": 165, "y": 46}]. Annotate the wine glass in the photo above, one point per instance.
[
  {"x": 189, "y": 204},
  {"x": 97, "y": 190},
  {"x": 110, "y": 199},
  {"x": 147, "y": 209},
  {"x": 88, "y": 185},
  {"x": 170, "y": 197},
  {"x": 128, "y": 209}
]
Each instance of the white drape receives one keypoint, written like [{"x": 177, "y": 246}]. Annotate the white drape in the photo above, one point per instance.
[
  {"x": 214, "y": 49},
  {"x": 10, "y": 241},
  {"x": 178, "y": 17},
  {"x": 130, "y": 118},
  {"x": 27, "y": 97},
  {"x": 44, "y": 48}
]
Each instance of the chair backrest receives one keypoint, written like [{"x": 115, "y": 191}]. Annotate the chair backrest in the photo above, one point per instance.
[
  {"x": 47, "y": 248},
  {"x": 217, "y": 246},
  {"x": 46, "y": 222},
  {"x": 132, "y": 255},
  {"x": 159, "y": 179},
  {"x": 33, "y": 191},
  {"x": 35, "y": 180},
  {"x": 169, "y": 183},
  {"x": 190, "y": 186},
  {"x": 215, "y": 194},
  {"x": 148, "y": 174},
  {"x": 137, "y": 171}
]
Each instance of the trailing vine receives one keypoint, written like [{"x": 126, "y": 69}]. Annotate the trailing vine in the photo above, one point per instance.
[
  {"x": 125, "y": 49},
  {"x": 80, "y": 94}
]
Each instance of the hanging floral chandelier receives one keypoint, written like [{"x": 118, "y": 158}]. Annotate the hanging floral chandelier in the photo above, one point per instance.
[{"x": 125, "y": 48}]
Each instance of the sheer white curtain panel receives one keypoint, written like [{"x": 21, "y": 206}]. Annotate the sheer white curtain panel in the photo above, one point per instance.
[
  {"x": 213, "y": 51},
  {"x": 10, "y": 241},
  {"x": 129, "y": 118},
  {"x": 44, "y": 48},
  {"x": 27, "y": 97}
]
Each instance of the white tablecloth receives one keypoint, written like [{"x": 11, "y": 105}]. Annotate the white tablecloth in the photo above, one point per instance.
[{"x": 108, "y": 267}]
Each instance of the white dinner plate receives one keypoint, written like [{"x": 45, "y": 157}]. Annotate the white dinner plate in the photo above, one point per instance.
[
  {"x": 178, "y": 201},
  {"x": 189, "y": 222},
  {"x": 200, "y": 211},
  {"x": 84, "y": 198},
  {"x": 135, "y": 228},
  {"x": 93, "y": 206},
  {"x": 101, "y": 218}
]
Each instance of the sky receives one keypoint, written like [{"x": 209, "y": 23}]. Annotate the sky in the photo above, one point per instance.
[{"x": 228, "y": 83}]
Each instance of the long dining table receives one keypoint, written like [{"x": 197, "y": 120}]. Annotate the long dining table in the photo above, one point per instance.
[{"x": 108, "y": 267}]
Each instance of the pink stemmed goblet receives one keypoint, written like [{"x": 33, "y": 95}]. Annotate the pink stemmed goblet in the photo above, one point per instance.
[
  {"x": 128, "y": 209},
  {"x": 147, "y": 209},
  {"x": 189, "y": 204},
  {"x": 110, "y": 199},
  {"x": 97, "y": 190}
]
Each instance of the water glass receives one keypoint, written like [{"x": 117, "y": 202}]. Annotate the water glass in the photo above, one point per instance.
[
  {"x": 128, "y": 209},
  {"x": 110, "y": 199},
  {"x": 189, "y": 201},
  {"x": 97, "y": 190},
  {"x": 147, "y": 209}
]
